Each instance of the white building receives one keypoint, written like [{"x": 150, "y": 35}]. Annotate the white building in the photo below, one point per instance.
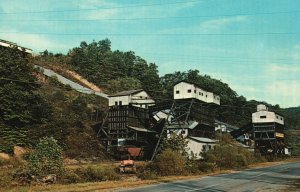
[
  {"x": 224, "y": 127},
  {"x": 9, "y": 44},
  {"x": 197, "y": 145},
  {"x": 137, "y": 98},
  {"x": 186, "y": 90},
  {"x": 264, "y": 116}
]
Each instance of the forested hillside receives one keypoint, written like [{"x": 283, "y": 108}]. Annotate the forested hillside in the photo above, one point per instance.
[
  {"x": 293, "y": 128},
  {"x": 31, "y": 109},
  {"x": 44, "y": 107}
]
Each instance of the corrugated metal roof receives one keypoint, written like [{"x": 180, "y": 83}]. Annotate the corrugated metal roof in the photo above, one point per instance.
[
  {"x": 227, "y": 125},
  {"x": 123, "y": 93},
  {"x": 141, "y": 129},
  {"x": 203, "y": 139}
]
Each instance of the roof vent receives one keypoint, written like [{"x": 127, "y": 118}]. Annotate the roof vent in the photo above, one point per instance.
[{"x": 262, "y": 107}]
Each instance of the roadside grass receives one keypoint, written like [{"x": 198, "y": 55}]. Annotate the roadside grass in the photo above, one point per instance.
[{"x": 126, "y": 181}]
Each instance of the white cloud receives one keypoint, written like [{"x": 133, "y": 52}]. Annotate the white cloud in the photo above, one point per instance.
[
  {"x": 215, "y": 25},
  {"x": 35, "y": 42},
  {"x": 277, "y": 68},
  {"x": 284, "y": 93},
  {"x": 131, "y": 10},
  {"x": 297, "y": 46}
]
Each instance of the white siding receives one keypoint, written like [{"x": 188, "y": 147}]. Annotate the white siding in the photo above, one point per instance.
[
  {"x": 116, "y": 100},
  {"x": 198, "y": 147},
  {"x": 184, "y": 90},
  {"x": 266, "y": 117},
  {"x": 140, "y": 99},
  {"x": 183, "y": 132}
]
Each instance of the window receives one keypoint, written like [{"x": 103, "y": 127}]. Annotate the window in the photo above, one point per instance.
[
  {"x": 281, "y": 118},
  {"x": 189, "y": 90},
  {"x": 183, "y": 132},
  {"x": 120, "y": 102},
  {"x": 141, "y": 97},
  {"x": 116, "y": 102},
  {"x": 277, "y": 117},
  {"x": 177, "y": 92},
  {"x": 263, "y": 117},
  {"x": 205, "y": 95},
  {"x": 203, "y": 148},
  {"x": 209, "y": 147},
  {"x": 194, "y": 91}
]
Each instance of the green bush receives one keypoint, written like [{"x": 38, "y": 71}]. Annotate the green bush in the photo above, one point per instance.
[
  {"x": 70, "y": 176},
  {"x": 206, "y": 167},
  {"x": 93, "y": 173},
  {"x": 46, "y": 158},
  {"x": 146, "y": 171},
  {"x": 147, "y": 175},
  {"x": 191, "y": 165},
  {"x": 170, "y": 163},
  {"x": 3, "y": 161},
  {"x": 228, "y": 154}
]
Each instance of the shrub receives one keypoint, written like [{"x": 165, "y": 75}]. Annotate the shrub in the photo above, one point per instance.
[
  {"x": 147, "y": 175},
  {"x": 3, "y": 161},
  {"x": 206, "y": 167},
  {"x": 170, "y": 163},
  {"x": 47, "y": 158},
  {"x": 228, "y": 154},
  {"x": 146, "y": 172},
  {"x": 70, "y": 176},
  {"x": 93, "y": 173},
  {"x": 191, "y": 165}
]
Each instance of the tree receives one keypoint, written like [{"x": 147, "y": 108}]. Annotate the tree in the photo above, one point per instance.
[
  {"x": 123, "y": 84},
  {"x": 46, "y": 158},
  {"x": 176, "y": 143},
  {"x": 170, "y": 163},
  {"x": 20, "y": 105}
]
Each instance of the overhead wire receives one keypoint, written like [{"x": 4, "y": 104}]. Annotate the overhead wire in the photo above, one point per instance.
[
  {"x": 154, "y": 18},
  {"x": 45, "y": 84},
  {"x": 155, "y": 34},
  {"x": 100, "y": 8}
]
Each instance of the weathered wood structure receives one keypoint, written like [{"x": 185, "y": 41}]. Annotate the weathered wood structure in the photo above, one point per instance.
[{"x": 265, "y": 132}]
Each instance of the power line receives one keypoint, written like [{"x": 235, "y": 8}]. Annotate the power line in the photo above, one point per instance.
[
  {"x": 155, "y": 34},
  {"x": 44, "y": 84},
  {"x": 101, "y": 8},
  {"x": 153, "y": 18}
]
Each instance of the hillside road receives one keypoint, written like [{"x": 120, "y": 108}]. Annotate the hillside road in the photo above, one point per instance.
[{"x": 274, "y": 178}]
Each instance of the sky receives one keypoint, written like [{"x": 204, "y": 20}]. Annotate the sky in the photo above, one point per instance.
[{"x": 252, "y": 45}]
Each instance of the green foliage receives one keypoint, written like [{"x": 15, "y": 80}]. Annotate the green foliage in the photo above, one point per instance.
[
  {"x": 46, "y": 158},
  {"x": 205, "y": 167},
  {"x": 93, "y": 173},
  {"x": 21, "y": 106},
  {"x": 191, "y": 165},
  {"x": 228, "y": 154},
  {"x": 177, "y": 143},
  {"x": 124, "y": 83},
  {"x": 114, "y": 69},
  {"x": 69, "y": 176},
  {"x": 170, "y": 163}
]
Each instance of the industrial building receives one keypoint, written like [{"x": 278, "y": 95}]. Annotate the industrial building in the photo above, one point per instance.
[{"x": 8, "y": 44}]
